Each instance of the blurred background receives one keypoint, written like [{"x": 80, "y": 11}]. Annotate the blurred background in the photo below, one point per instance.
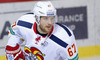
[{"x": 81, "y": 16}]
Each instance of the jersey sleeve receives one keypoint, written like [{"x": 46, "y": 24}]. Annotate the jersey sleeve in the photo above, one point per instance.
[
  {"x": 71, "y": 51},
  {"x": 13, "y": 50},
  {"x": 14, "y": 35},
  {"x": 68, "y": 50},
  {"x": 16, "y": 31}
]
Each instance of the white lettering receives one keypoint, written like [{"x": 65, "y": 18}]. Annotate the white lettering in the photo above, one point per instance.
[
  {"x": 60, "y": 19},
  {"x": 71, "y": 18}
]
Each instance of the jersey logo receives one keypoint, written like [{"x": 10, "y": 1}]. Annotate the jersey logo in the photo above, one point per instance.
[
  {"x": 49, "y": 5},
  {"x": 58, "y": 41},
  {"x": 25, "y": 24},
  {"x": 69, "y": 33},
  {"x": 37, "y": 40},
  {"x": 35, "y": 53}
]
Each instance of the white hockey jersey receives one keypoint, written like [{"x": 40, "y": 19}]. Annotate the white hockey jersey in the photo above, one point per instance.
[{"x": 59, "y": 44}]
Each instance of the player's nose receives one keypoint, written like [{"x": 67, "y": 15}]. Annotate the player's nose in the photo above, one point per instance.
[{"x": 50, "y": 21}]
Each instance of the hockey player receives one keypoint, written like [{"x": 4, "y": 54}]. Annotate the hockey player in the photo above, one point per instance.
[{"x": 44, "y": 39}]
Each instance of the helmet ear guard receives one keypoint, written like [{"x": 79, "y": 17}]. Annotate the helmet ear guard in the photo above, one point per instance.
[{"x": 43, "y": 8}]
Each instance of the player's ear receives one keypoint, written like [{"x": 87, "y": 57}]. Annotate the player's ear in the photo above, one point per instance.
[{"x": 36, "y": 18}]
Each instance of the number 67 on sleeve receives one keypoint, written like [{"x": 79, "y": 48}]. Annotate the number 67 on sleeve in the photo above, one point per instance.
[{"x": 72, "y": 52}]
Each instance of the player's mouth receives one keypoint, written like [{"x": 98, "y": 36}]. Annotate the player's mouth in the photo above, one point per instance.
[{"x": 48, "y": 27}]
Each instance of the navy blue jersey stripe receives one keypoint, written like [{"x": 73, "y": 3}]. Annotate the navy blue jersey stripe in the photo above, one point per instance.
[
  {"x": 24, "y": 24},
  {"x": 69, "y": 33},
  {"x": 58, "y": 41},
  {"x": 29, "y": 13}
]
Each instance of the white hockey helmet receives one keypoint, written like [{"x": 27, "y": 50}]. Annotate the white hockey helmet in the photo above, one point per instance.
[{"x": 44, "y": 8}]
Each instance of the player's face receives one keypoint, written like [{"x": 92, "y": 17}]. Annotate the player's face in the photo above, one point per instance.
[{"x": 46, "y": 23}]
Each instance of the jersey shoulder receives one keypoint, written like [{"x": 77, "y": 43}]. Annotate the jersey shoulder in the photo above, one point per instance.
[
  {"x": 28, "y": 17},
  {"x": 62, "y": 35},
  {"x": 62, "y": 30},
  {"x": 24, "y": 23},
  {"x": 26, "y": 20}
]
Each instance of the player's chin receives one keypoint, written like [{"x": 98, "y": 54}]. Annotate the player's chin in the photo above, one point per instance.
[{"x": 48, "y": 30}]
